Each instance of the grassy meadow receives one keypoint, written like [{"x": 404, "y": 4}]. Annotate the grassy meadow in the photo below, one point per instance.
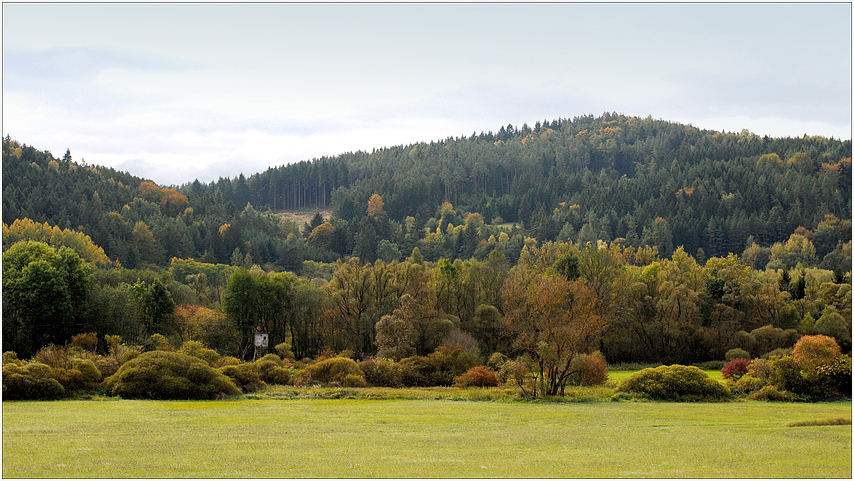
[{"x": 423, "y": 438}]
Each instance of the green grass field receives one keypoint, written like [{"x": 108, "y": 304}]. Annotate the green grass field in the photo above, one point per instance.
[{"x": 422, "y": 438}]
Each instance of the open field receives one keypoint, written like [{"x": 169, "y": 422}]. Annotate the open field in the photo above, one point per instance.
[
  {"x": 421, "y": 438},
  {"x": 302, "y": 216}
]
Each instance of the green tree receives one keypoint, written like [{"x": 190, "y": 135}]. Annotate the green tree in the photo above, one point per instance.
[
  {"x": 238, "y": 302},
  {"x": 43, "y": 291},
  {"x": 158, "y": 309}
]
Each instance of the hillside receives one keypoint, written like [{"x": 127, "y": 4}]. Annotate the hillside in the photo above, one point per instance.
[
  {"x": 641, "y": 181},
  {"x": 464, "y": 230}
]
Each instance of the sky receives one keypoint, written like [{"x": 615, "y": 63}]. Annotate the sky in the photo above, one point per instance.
[{"x": 177, "y": 92}]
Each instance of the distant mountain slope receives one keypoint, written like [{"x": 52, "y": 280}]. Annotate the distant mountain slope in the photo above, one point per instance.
[
  {"x": 607, "y": 177},
  {"x": 648, "y": 182}
]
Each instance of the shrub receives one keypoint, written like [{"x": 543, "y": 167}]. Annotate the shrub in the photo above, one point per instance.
[
  {"x": 786, "y": 375},
  {"x": 158, "y": 342},
  {"x": 169, "y": 375},
  {"x": 11, "y": 357},
  {"x": 737, "y": 353},
  {"x": 30, "y": 381},
  {"x": 107, "y": 366},
  {"x": 779, "y": 352},
  {"x": 198, "y": 350},
  {"x": 588, "y": 370},
  {"x": 54, "y": 356},
  {"x": 354, "y": 380},
  {"x": 244, "y": 376},
  {"x": 284, "y": 351},
  {"x": 415, "y": 371},
  {"x": 478, "y": 376},
  {"x": 330, "y": 370},
  {"x": 85, "y": 342},
  {"x": 736, "y": 368},
  {"x": 70, "y": 379},
  {"x": 500, "y": 363},
  {"x": 813, "y": 351},
  {"x": 496, "y": 360},
  {"x": 746, "y": 384},
  {"x": 448, "y": 362},
  {"x": 228, "y": 361},
  {"x": 834, "y": 378},
  {"x": 771, "y": 393},
  {"x": 674, "y": 383},
  {"x": 382, "y": 372},
  {"x": 760, "y": 369},
  {"x": 92, "y": 377},
  {"x": 272, "y": 371}
]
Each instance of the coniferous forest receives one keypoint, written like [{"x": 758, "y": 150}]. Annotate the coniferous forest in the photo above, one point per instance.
[{"x": 656, "y": 241}]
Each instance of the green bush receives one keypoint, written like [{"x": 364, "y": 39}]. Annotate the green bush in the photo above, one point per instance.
[
  {"x": 198, "y": 350},
  {"x": 834, "y": 378},
  {"x": 786, "y": 375},
  {"x": 746, "y": 384},
  {"x": 674, "y": 383},
  {"x": 771, "y": 393},
  {"x": 11, "y": 357},
  {"x": 30, "y": 381},
  {"x": 244, "y": 376},
  {"x": 382, "y": 372},
  {"x": 92, "y": 377},
  {"x": 779, "y": 352},
  {"x": 169, "y": 375},
  {"x": 284, "y": 350},
  {"x": 332, "y": 370},
  {"x": 737, "y": 353},
  {"x": 415, "y": 371},
  {"x": 272, "y": 371},
  {"x": 228, "y": 361},
  {"x": 71, "y": 379},
  {"x": 448, "y": 362},
  {"x": 354, "y": 380}
]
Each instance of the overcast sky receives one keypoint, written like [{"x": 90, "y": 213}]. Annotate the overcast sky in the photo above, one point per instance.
[{"x": 175, "y": 92}]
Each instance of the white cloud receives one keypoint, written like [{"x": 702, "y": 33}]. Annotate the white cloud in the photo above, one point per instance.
[{"x": 178, "y": 91}]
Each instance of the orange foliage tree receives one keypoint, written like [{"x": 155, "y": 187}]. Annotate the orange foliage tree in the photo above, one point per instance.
[{"x": 552, "y": 320}]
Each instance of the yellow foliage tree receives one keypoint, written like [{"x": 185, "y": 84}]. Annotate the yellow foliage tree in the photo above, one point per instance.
[
  {"x": 26, "y": 229},
  {"x": 375, "y": 206}
]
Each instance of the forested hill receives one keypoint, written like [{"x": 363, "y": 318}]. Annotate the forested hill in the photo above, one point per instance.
[
  {"x": 586, "y": 178},
  {"x": 647, "y": 182}
]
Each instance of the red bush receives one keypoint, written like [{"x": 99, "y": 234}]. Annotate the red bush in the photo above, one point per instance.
[
  {"x": 479, "y": 376},
  {"x": 736, "y": 368}
]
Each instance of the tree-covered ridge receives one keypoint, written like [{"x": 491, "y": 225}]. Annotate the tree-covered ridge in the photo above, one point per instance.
[
  {"x": 640, "y": 182},
  {"x": 609, "y": 177}
]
